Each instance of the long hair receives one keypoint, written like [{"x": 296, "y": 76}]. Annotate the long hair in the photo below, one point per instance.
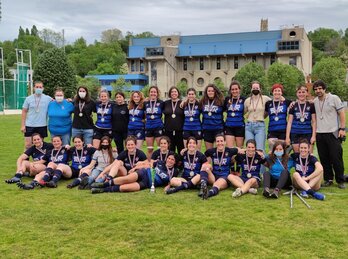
[
  {"x": 218, "y": 96},
  {"x": 185, "y": 103},
  {"x": 285, "y": 156},
  {"x": 132, "y": 104},
  {"x": 251, "y": 94},
  {"x": 111, "y": 157},
  {"x": 77, "y": 98}
]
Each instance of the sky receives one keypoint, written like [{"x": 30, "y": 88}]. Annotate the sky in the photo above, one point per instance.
[{"x": 88, "y": 18}]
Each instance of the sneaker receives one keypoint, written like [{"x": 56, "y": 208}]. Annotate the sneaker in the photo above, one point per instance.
[
  {"x": 275, "y": 194},
  {"x": 266, "y": 193},
  {"x": 318, "y": 196},
  {"x": 170, "y": 191},
  {"x": 237, "y": 193},
  {"x": 304, "y": 194},
  {"x": 73, "y": 184},
  {"x": 327, "y": 183},
  {"x": 51, "y": 184},
  {"x": 13, "y": 180},
  {"x": 97, "y": 190},
  {"x": 253, "y": 191},
  {"x": 83, "y": 183},
  {"x": 25, "y": 186},
  {"x": 204, "y": 190},
  {"x": 341, "y": 186},
  {"x": 97, "y": 185}
]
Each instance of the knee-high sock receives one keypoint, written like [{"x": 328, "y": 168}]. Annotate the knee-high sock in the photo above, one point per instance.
[
  {"x": 213, "y": 191},
  {"x": 47, "y": 176},
  {"x": 204, "y": 176},
  {"x": 57, "y": 175},
  {"x": 114, "y": 188}
]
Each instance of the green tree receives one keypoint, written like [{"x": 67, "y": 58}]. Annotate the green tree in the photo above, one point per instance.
[
  {"x": 120, "y": 86},
  {"x": 251, "y": 72},
  {"x": 322, "y": 36},
  {"x": 145, "y": 90},
  {"x": 111, "y": 35},
  {"x": 21, "y": 32},
  {"x": 92, "y": 84},
  {"x": 218, "y": 82},
  {"x": 34, "y": 31},
  {"x": 54, "y": 70},
  {"x": 289, "y": 76},
  {"x": 333, "y": 72},
  {"x": 182, "y": 86}
]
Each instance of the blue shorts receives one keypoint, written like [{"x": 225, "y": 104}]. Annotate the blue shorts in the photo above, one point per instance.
[
  {"x": 245, "y": 178},
  {"x": 144, "y": 178},
  {"x": 197, "y": 134},
  {"x": 138, "y": 133}
]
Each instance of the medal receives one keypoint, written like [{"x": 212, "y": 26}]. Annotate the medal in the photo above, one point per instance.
[
  {"x": 321, "y": 107},
  {"x": 80, "y": 114},
  {"x": 152, "y": 117},
  {"x": 102, "y": 112},
  {"x": 233, "y": 107},
  {"x": 192, "y": 173},
  {"x": 191, "y": 118},
  {"x": 220, "y": 160},
  {"x": 102, "y": 119},
  {"x": 37, "y": 103},
  {"x": 133, "y": 119},
  {"x": 191, "y": 164},
  {"x": 79, "y": 158},
  {"x": 173, "y": 109},
  {"x": 233, "y": 114},
  {"x": 249, "y": 175},
  {"x": 210, "y": 107},
  {"x": 80, "y": 166},
  {"x": 304, "y": 167},
  {"x": 302, "y": 119},
  {"x": 249, "y": 166},
  {"x": 276, "y": 118},
  {"x": 81, "y": 105},
  {"x": 173, "y": 116},
  {"x": 321, "y": 117},
  {"x": 152, "y": 107},
  {"x": 37, "y": 110},
  {"x": 209, "y": 113},
  {"x": 254, "y": 106},
  {"x": 276, "y": 110}
]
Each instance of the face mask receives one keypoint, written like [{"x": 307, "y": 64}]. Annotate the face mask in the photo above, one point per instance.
[
  {"x": 104, "y": 146},
  {"x": 279, "y": 153},
  {"x": 38, "y": 90},
  {"x": 82, "y": 95},
  {"x": 59, "y": 99},
  {"x": 255, "y": 92}
]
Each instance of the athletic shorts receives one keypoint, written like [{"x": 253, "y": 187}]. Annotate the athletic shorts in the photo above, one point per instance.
[
  {"x": 139, "y": 134},
  {"x": 209, "y": 135},
  {"x": 29, "y": 131},
  {"x": 276, "y": 134},
  {"x": 222, "y": 177},
  {"x": 74, "y": 172},
  {"x": 235, "y": 131},
  {"x": 149, "y": 133},
  {"x": 197, "y": 134},
  {"x": 245, "y": 178},
  {"x": 99, "y": 133},
  {"x": 144, "y": 178},
  {"x": 295, "y": 138}
]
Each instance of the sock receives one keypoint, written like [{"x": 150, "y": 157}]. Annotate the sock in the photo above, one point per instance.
[
  {"x": 18, "y": 175},
  {"x": 213, "y": 191},
  {"x": 115, "y": 188},
  {"x": 83, "y": 175},
  {"x": 57, "y": 175},
  {"x": 109, "y": 181},
  {"x": 204, "y": 176},
  {"x": 76, "y": 182},
  {"x": 46, "y": 177}
]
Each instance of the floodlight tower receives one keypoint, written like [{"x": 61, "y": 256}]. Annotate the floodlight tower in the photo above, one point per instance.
[{"x": 0, "y": 10}]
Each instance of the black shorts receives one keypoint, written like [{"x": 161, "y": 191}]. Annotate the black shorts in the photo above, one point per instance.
[
  {"x": 276, "y": 134},
  {"x": 209, "y": 135},
  {"x": 235, "y": 131},
  {"x": 29, "y": 131},
  {"x": 149, "y": 133},
  {"x": 139, "y": 134},
  {"x": 197, "y": 134},
  {"x": 75, "y": 172},
  {"x": 143, "y": 178},
  {"x": 295, "y": 138},
  {"x": 99, "y": 133}
]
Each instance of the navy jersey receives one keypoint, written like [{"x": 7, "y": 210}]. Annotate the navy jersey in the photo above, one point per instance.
[
  {"x": 302, "y": 118},
  {"x": 158, "y": 156},
  {"x": 222, "y": 161},
  {"x": 79, "y": 160},
  {"x": 60, "y": 156},
  {"x": 136, "y": 119},
  {"x": 192, "y": 114},
  {"x": 104, "y": 115},
  {"x": 235, "y": 111},
  {"x": 277, "y": 112},
  {"x": 192, "y": 164},
  {"x": 38, "y": 153},
  {"x": 254, "y": 165},
  {"x": 212, "y": 116},
  {"x": 306, "y": 168},
  {"x": 130, "y": 161},
  {"x": 153, "y": 113},
  {"x": 163, "y": 174}
]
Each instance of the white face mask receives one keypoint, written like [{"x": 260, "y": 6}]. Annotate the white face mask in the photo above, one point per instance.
[
  {"x": 82, "y": 95},
  {"x": 59, "y": 99}
]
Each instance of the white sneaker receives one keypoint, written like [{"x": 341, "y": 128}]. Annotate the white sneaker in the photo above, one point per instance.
[
  {"x": 253, "y": 191},
  {"x": 237, "y": 193}
]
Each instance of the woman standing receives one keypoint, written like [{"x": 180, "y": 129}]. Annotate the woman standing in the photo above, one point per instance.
[
  {"x": 174, "y": 120},
  {"x": 234, "y": 125},
  {"x": 84, "y": 106},
  {"x": 59, "y": 117},
  {"x": 192, "y": 123},
  {"x": 103, "y": 125},
  {"x": 302, "y": 122},
  {"x": 136, "y": 125},
  {"x": 212, "y": 110},
  {"x": 120, "y": 119}
]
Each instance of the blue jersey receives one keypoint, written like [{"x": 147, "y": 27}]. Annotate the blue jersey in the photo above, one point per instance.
[
  {"x": 129, "y": 161},
  {"x": 306, "y": 168},
  {"x": 38, "y": 153},
  {"x": 254, "y": 165},
  {"x": 79, "y": 160},
  {"x": 222, "y": 161},
  {"x": 163, "y": 174},
  {"x": 276, "y": 167},
  {"x": 235, "y": 111},
  {"x": 277, "y": 112},
  {"x": 192, "y": 164},
  {"x": 153, "y": 112},
  {"x": 192, "y": 114},
  {"x": 212, "y": 117},
  {"x": 60, "y": 156},
  {"x": 136, "y": 119},
  {"x": 302, "y": 118},
  {"x": 104, "y": 115},
  {"x": 159, "y": 156},
  {"x": 59, "y": 117}
]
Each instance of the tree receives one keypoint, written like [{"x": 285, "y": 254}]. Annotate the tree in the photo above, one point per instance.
[
  {"x": 21, "y": 32},
  {"x": 54, "y": 70},
  {"x": 50, "y": 36},
  {"x": 92, "y": 84},
  {"x": 34, "y": 31},
  {"x": 105, "y": 68},
  {"x": 182, "y": 86},
  {"x": 321, "y": 36},
  {"x": 251, "y": 72},
  {"x": 145, "y": 90},
  {"x": 333, "y": 72},
  {"x": 289, "y": 76},
  {"x": 218, "y": 82},
  {"x": 120, "y": 86},
  {"x": 111, "y": 35}
]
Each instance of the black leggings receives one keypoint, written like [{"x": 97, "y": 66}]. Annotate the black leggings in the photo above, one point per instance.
[{"x": 284, "y": 180}]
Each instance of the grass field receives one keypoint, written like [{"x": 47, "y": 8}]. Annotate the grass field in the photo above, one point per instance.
[{"x": 63, "y": 223}]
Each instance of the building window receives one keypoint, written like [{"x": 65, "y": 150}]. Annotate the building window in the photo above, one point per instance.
[
  {"x": 183, "y": 80},
  {"x": 132, "y": 65},
  {"x": 253, "y": 58},
  {"x": 142, "y": 66},
  {"x": 289, "y": 45},
  {"x": 273, "y": 59},
  {"x": 200, "y": 81},
  {"x": 201, "y": 64},
  {"x": 184, "y": 64},
  {"x": 154, "y": 51},
  {"x": 218, "y": 63},
  {"x": 293, "y": 61},
  {"x": 235, "y": 63}
]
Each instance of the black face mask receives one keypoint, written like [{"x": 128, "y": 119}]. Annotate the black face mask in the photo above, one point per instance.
[
  {"x": 104, "y": 146},
  {"x": 255, "y": 92}
]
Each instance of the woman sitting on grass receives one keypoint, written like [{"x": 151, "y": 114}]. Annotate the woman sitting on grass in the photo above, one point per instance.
[
  {"x": 309, "y": 172},
  {"x": 140, "y": 179},
  {"x": 250, "y": 164},
  {"x": 162, "y": 153},
  {"x": 278, "y": 176},
  {"x": 37, "y": 151}
]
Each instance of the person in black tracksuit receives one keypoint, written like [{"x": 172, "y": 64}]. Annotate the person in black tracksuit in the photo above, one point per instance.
[{"x": 120, "y": 119}]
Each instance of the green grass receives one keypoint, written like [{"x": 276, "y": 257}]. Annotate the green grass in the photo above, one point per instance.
[{"x": 63, "y": 223}]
